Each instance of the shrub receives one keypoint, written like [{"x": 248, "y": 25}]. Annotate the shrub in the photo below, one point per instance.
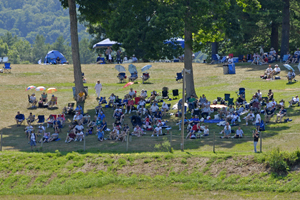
[
  {"x": 165, "y": 146},
  {"x": 122, "y": 161},
  {"x": 184, "y": 161},
  {"x": 276, "y": 161}
]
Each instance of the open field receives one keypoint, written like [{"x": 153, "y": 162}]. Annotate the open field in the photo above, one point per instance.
[{"x": 209, "y": 80}]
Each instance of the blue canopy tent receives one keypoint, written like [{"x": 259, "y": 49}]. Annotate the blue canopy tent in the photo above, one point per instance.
[
  {"x": 178, "y": 41},
  {"x": 52, "y": 55}
]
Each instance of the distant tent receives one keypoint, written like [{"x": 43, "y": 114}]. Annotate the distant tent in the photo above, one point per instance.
[
  {"x": 52, "y": 55},
  {"x": 176, "y": 42},
  {"x": 105, "y": 43}
]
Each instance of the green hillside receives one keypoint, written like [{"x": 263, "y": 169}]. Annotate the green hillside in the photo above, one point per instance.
[{"x": 27, "y": 18}]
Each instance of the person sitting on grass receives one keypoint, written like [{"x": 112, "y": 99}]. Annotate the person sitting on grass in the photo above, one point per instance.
[
  {"x": 53, "y": 137},
  {"x": 19, "y": 118},
  {"x": 226, "y": 131},
  {"x": 101, "y": 116},
  {"x": 32, "y": 138},
  {"x": 114, "y": 134},
  {"x": 249, "y": 117},
  {"x": 239, "y": 133},
  {"x": 202, "y": 100},
  {"x": 143, "y": 94},
  {"x": 269, "y": 72},
  {"x": 229, "y": 117},
  {"x": 77, "y": 118},
  {"x": 111, "y": 99},
  {"x": 234, "y": 118},
  {"x": 122, "y": 136},
  {"x": 69, "y": 109},
  {"x": 205, "y": 112},
  {"x": 276, "y": 70},
  {"x": 141, "y": 111},
  {"x": 70, "y": 137},
  {"x": 196, "y": 127},
  {"x": 131, "y": 93},
  {"x": 28, "y": 129},
  {"x": 295, "y": 100},
  {"x": 124, "y": 102},
  {"x": 205, "y": 131},
  {"x": 81, "y": 96},
  {"x": 257, "y": 121},
  {"x": 137, "y": 131},
  {"x": 79, "y": 128},
  {"x": 103, "y": 125},
  {"x": 130, "y": 105},
  {"x": 100, "y": 134},
  {"x": 269, "y": 114},
  {"x": 79, "y": 135},
  {"x": 41, "y": 130},
  {"x": 98, "y": 108},
  {"x": 157, "y": 131},
  {"x": 280, "y": 114},
  {"x": 290, "y": 76},
  {"x": 153, "y": 108},
  {"x": 45, "y": 137},
  {"x": 164, "y": 108},
  {"x": 119, "y": 116},
  {"x": 295, "y": 58},
  {"x": 57, "y": 125}
]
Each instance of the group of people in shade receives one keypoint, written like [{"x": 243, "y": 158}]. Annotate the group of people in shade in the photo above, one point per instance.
[{"x": 109, "y": 58}]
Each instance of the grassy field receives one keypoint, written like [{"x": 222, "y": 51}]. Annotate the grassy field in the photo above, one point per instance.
[{"x": 209, "y": 80}]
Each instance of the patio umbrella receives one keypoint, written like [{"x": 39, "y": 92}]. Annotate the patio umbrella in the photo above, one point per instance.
[
  {"x": 288, "y": 67},
  {"x": 146, "y": 67},
  {"x": 128, "y": 84},
  {"x": 30, "y": 87},
  {"x": 51, "y": 90},
  {"x": 120, "y": 68},
  {"x": 132, "y": 68},
  {"x": 40, "y": 88}
]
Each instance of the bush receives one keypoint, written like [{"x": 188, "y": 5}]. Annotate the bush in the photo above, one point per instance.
[
  {"x": 275, "y": 160},
  {"x": 165, "y": 146}
]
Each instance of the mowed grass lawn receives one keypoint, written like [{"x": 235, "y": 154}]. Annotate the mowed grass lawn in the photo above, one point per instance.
[{"x": 209, "y": 80}]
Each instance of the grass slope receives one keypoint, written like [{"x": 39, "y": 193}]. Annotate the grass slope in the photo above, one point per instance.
[{"x": 209, "y": 80}]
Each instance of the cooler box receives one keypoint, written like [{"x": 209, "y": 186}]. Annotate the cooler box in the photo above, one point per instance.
[{"x": 231, "y": 69}]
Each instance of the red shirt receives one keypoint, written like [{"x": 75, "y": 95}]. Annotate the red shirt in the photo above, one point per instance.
[
  {"x": 195, "y": 127},
  {"x": 131, "y": 102}
]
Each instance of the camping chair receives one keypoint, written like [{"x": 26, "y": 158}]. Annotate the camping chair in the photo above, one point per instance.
[
  {"x": 51, "y": 117},
  {"x": 6, "y": 68},
  {"x": 54, "y": 105},
  {"x": 285, "y": 57},
  {"x": 230, "y": 101},
  {"x": 175, "y": 93},
  {"x": 137, "y": 100},
  {"x": 41, "y": 119},
  {"x": 227, "y": 96},
  {"x": 133, "y": 77},
  {"x": 121, "y": 76},
  {"x": 223, "y": 59},
  {"x": 165, "y": 93},
  {"x": 145, "y": 77},
  {"x": 196, "y": 112},
  {"x": 179, "y": 76},
  {"x": 242, "y": 92},
  {"x": 214, "y": 57},
  {"x": 231, "y": 54},
  {"x": 72, "y": 112},
  {"x": 29, "y": 101}
]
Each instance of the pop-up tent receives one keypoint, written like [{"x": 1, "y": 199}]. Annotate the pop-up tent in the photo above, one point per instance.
[
  {"x": 176, "y": 42},
  {"x": 52, "y": 55},
  {"x": 104, "y": 43}
]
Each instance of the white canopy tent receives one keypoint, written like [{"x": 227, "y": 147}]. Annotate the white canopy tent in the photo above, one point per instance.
[{"x": 104, "y": 43}]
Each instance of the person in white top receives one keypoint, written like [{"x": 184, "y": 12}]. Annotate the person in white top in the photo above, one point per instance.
[
  {"x": 291, "y": 75},
  {"x": 250, "y": 116},
  {"x": 142, "y": 102},
  {"x": 269, "y": 72},
  {"x": 98, "y": 88},
  {"x": 205, "y": 131},
  {"x": 258, "y": 94},
  {"x": 164, "y": 108},
  {"x": 132, "y": 93},
  {"x": 230, "y": 60},
  {"x": 157, "y": 131},
  {"x": 33, "y": 100},
  {"x": 297, "y": 52},
  {"x": 153, "y": 108},
  {"x": 143, "y": 94},
  {"x": 111, "y": 99},
  {"x": 261, "y": 50},
  {"x": 276, "y": 70},
  {"x": 295, "y": 100},
  {"x": 257, "y": 121},
  {"x": 239, "y": 133}
]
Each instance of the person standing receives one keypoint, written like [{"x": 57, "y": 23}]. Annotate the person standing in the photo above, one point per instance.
[
  {"x": 33, "y": 140},
  {"x": 108, "y": 53},
  {"x": 255, "y": 138},
  {"x": 98, "y": 88}
]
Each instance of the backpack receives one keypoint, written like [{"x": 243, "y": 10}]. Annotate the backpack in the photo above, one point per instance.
[{"x": 262, "y": 126}]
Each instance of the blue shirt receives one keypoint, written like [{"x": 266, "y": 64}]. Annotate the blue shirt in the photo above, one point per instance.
[{"x": 101, "y": 117}]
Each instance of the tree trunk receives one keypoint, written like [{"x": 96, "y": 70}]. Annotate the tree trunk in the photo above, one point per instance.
[
  {"x": 274, "y": 36},
  {"x": 214, "y": 48},
  {"x": 188, "y": 48},
  {"x": 75, "y": 47},
  {"x": 285, "y": 28}
]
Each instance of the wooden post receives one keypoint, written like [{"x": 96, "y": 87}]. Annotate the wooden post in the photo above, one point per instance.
[
  {"x": 84, "y": 143},
  {"x": 214, "y": 143},
  {"x": 182, "y": 111},
  {"x": 260, "y": 135},
  {"x": 127, "y": 140},
  {"x": 1, "y": 142}
]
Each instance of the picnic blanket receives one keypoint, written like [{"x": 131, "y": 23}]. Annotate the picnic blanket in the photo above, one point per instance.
[
  {"x": 56, "y": 139},
  {"x": 218, "y": 106},
  {"x": 211, "y": 121}
]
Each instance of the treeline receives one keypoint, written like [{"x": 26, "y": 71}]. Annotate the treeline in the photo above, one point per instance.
[
  {"x": 19, "y": 50},
  {"x": 28, "y": 18}
]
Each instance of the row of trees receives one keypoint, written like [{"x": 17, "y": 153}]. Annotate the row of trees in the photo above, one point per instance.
[{"x": 19, "y": 50}]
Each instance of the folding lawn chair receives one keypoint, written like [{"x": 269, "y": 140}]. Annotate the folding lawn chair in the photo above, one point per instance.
[
  {"x": 230, "y": 101},
  {"x": 41, "y": 119},
  {"x": 51, "y": 117},
  {"x": 227, "y": 96},
  {"x": 179, "y": 76},
  {"x": 196, "y": 112},
  {"x": 145, "y": 77},
  {"x": 6, "y": 68},
  {"x": 175, "y": 93},
  {"x": 165, "y": 93},
  {"x": 137, "y": 100},
  {"x": 121, "y": 76}
]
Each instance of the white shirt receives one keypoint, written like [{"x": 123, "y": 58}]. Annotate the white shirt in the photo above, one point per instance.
[
  {"x": 32, "y": 137},
  {"x": 143, "y": 94},
  {"x": 277, "y": 69},
  {"x": 274, "y": 103},
  {"x": 165, "y": 106},
  {"x": 98, "y": 87},
  {"x": 229, "y": 127},
  {"x": 32, "y": 98},
  {"x": 118, "y": 109},
  {"x": 270, "y": 105},
  {"x": 259, "y": 94},
  {"x": 239, "y": 132},
  {"x": 295, "y": 99},
  {"x": 230, "y": 60},
  {"x": 251, "y": 115},
  {"x": 257, "y": 119},
  {"x": 158, "y": 128},
  {"x": 142, "y": 103},
  {"x": 154, "y": 108},
  {"x": 272, "y": 52},
  {"x": 42, "y": 127},
  {"x": 269, "y": 70},
  {"x": 297, "y": 53},
  {"x": 282, "y": 104},
  {"x": 261, "y": 51},
  {"x": 112, "y": 98},
  {"x": 131, "y": 93},
  {"x": 79, "y": 127},
  {"x": 206, "y": 131},
  {"x": 29, "y": 128}
]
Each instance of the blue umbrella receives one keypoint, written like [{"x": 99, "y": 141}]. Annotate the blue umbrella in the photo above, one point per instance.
[
  {"x": 132, "y": 68},
  {"x": 288, "y": 67},
  {"x": 120, "y": 68},
  {"x": 146, "y": 67}
]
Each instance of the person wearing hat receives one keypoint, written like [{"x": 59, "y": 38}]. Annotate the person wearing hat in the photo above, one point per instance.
[
  {"x": 33, "y": 100},
  {"x": 295, "y": 100},
  {"x": 269, "y": 72},
  {"x": 143, "y": 94},
  {"x": 134, "y": 59},
  {"x": 291, "y": 75},
  {"x": 276, "y": 70},
  {"x": 52, "y": 101}
]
